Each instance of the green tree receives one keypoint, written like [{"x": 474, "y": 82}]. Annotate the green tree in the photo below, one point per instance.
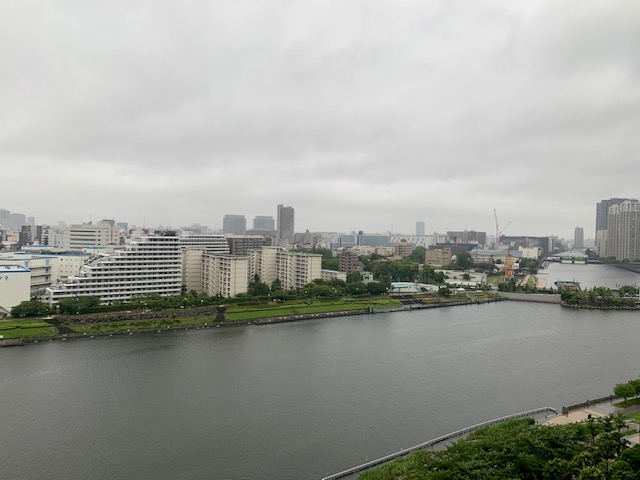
[
  {"x": 257, "y": 289},
  {"x": 356, "y": 288},
  {"x": 636, "y": 386},
  {"x": 429, "y": 275},
  {"x": 444, "y": 291},
  {"x": 30, "y": 308},
  {"x": 624, "y": 390},
  {"x": 276, "y": 285},
  {"x": 418, "y": 254},
  {"x": 330, "y": 264},
  {"x": 354, "y": 277},
  {"x": 375, "y": 288},
  {"x": 464, "y": 260},
  {"x": 529, "y": 263}
]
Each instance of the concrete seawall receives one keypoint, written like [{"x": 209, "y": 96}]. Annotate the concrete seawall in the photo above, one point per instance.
[{"x": 532, "y": 297}]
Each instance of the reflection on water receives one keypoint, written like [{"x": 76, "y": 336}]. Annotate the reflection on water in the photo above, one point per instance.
[
  {"x": 298, "y": 400},
  {"x": 589, "y": 275}
]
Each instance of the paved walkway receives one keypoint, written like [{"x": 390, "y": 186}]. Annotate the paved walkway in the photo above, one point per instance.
[{"x": 595, "y": 411}]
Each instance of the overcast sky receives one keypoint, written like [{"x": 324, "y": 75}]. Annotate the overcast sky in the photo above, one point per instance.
[{"x": 362, "y": 115}]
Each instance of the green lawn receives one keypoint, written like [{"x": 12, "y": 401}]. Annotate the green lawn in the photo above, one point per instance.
[
  {"x": 633, "y": 416},
  {"x": 141, "y": 325},
  {"x": 628, "y": 403},
  {"x": 26, "y": 329},
  {"x": 284, "y": 310}
]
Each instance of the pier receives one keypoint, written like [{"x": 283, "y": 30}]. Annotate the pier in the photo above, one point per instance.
[{"x": 437, "y": 440}]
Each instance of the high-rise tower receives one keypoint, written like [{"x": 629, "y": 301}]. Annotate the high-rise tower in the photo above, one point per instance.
[
  {"x": 602, "y": 221},
  {"x": 285, "y": 222},
  {"x": 578, "y": 237}
]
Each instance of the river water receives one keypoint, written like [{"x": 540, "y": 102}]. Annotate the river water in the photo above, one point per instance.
[{"x": 300, "y": 400}]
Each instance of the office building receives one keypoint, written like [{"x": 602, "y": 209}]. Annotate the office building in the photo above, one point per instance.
[
  {"x": 234, "y": 224},
  {"x": 467, "y": 236},
  {"x": 402, "y": 249},
  {"x": 285, "y": 224},
  {"x": 27, "y": 235},
  {"x": 74, "y": 238},
  {"x": 17, "y": 220},
  {"x": 437, "y": 257},
  {"x": 263, "y": 223},
  {"x": 5, "y": 219},
  {"x": 241, "y": 244},
  {"x": 420, "y": 228},
  {"x": 578, "y": 238}
]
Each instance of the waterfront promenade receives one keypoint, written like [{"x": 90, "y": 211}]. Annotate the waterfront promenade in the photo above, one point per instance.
[{"x": 444, "y": 439}]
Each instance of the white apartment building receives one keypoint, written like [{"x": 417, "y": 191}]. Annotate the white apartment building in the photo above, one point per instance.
[
  {"x": 225, "y": 275},
  {"x": 210, "y": 243},
  {"x": 293, "y": 269},
  {"x": 193, "y": 269},
  {"x": 15, "y": 285},
  {"x": 263, "y": 262},
  {"x": 151, "y": 264}
]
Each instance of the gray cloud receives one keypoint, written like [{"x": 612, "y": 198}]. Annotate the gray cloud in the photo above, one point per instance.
[{"x": 361, "y": 114}]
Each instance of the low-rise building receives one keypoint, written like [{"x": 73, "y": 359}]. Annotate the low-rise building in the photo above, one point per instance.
[
  {"x": 15, "y": 286},
  {"x": 402, "y": 249},
  {"x": 465, "y": 279},
  {"x": 437, "y": 257},
  {"x": 328, "y": 275},
  {"x": 348, "y": 261}
]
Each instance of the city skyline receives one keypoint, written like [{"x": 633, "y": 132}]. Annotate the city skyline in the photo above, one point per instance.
[{"x": 362, "y": 115}]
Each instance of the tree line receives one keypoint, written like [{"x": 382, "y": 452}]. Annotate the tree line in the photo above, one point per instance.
[{"x": 521, "y": 449}]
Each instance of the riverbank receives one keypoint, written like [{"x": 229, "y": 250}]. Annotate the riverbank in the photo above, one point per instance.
[
  {"x": 64, "y": 328},
  {"x": 578, "y": 413}
]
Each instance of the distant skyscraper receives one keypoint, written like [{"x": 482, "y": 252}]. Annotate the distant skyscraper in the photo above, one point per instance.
[
  {"x": 285, "y": 224},
  {"x": 235, "y": 224},
  {"x": 5, "y": 218},
  {"x": 602, "y": 219},
  {"x": 263, "y": 223},
  {"x": 420, "y": 228},
  {"x": 17, "y": 220},
  {"x": 578, "y": 238}
]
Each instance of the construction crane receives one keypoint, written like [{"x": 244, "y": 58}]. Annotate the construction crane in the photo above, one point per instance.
[
  {"x": 498, "y": 231},
  {"x": 509, "y": 260}
]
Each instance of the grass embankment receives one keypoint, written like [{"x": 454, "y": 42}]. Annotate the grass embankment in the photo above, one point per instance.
[
  {"x": 245, "y": 313},
  {"x": 141, "y": 325},
  {"x": 26, "y": 329},
  {"x": 628, "y": 403},
  {"x": 235, "y": 314},
  {"x": 633, "y": 417},
  {"x": 37, "y": 329}
]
